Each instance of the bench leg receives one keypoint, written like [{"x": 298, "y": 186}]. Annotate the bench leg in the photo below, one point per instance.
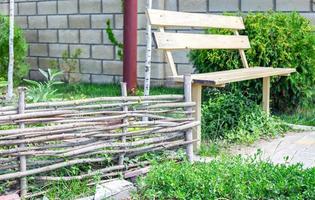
[
  {"x": 266, "y": 94},
  {"x": 196, "y": 97}
]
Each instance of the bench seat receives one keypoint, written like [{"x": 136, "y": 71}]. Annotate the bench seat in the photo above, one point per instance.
[{"x": 221, "y": 78}]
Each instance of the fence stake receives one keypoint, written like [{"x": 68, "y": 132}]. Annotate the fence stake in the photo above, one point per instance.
[
  {"x": 125, "y": 120},
  {"x": 189, "y": 134},
  {"x": 21, "y": 110}
]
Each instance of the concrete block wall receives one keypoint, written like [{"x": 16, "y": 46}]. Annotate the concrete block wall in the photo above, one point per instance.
[{"x": 54, "y": 26}]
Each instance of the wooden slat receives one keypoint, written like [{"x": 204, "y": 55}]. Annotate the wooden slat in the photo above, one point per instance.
[
  {"x": 242, "y": 54},
  {"x": 175, "y": 41},
  {"x": 225, "y": 77},
  {"x": 183, "y": 19}
]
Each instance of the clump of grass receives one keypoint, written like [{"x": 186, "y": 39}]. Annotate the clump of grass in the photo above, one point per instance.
[{"x": 227, "y": 178}]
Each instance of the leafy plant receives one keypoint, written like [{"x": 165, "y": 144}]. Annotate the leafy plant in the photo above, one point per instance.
[
  {"x": 3, "y": 83},
  {"x": 236, "y": 118},
  {"x": 111, "y": 36},
  {"x": 70, "y": 65},
  {"x": 43, "y": 91},
  {"x": 227, "y": 178},
  {"x": 277, "y": 40},
  {"x": 20, "y": 51}
]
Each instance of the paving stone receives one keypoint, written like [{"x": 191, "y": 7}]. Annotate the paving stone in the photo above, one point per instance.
[
  {"x": 37, "y": 22},
  {"x": 102, "y": 52},
  {"x": 38, "y": 49},
  {"x": 47, "y": 7},
  {"x": 49, "y": 36},
  {"x": 91, "y": 36},
  {"x": 193, "y": 6},
  {"x": 91, "y": 66},
  {"x": 10, "y": 197},
  {"x": 91, "y": 6},
  {"x": 58, "y": 21},
  {"x": 99, "y": 21},
  {"x": 68, "y": 7},
  {"x": 293, "y": 5},
  {"x": 27, "y": 8},
  {"x": 56, "y": 50},
  {"x": 69, "y": 36},
  {"x": 116, "y": 189},
  {"x": 257, "y": 5},
  {"x": 223, "y": 5},
  {"x": 79, "y": 21}
]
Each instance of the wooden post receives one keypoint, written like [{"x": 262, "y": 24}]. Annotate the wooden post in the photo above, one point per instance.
[
  {"x": 125, "y": 120},
  {"x": 266, "y": 94},
  {"x": 196, "y": 97},
  {"x": 21, "y": 110},
  {"x": 189, "y": 134}
]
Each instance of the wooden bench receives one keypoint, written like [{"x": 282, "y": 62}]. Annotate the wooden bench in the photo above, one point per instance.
[{"x": 169, "y": 41}]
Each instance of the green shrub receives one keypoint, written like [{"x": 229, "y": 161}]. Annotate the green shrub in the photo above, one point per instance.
[
  {"x": 277, "y": 40},
  {"x": 236, "y": 118},
  {"x": 230, "y": 178},
  {"x": 20, "y": 50}
]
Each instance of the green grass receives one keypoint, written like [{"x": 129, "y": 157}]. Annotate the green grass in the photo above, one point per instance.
[
  {"x": 227, "y": 178},
  {"x": 78, "y": 91}
]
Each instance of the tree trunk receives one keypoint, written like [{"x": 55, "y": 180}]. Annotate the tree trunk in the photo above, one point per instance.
[{"x": 11, "y": 53}]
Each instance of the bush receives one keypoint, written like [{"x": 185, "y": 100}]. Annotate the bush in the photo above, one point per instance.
[
  {"x": 20, "y": 50},
  {"x": 236, "y": 118},
  {"x": 230, "y": 178},
  {"x": 277, "y": 40}
]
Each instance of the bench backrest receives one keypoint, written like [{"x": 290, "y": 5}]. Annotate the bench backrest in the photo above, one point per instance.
[{"x": 175, "y": 41}]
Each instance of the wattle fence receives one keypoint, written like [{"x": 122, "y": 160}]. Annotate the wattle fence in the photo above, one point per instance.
[{"x": 39, "y": 138}]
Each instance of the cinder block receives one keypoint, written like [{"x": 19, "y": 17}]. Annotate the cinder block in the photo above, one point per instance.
[
  {"x": 310, "y": 16},
  {"x": 293, "y": 5},
  {"x": 36, "y": 75},
  {"x": 257, "y": 5},
  {"x": 56, "y": 50},
  {"x": 45, "y": 63},
  {"x": 47, "y": 7},
  {"x": 65, "y": 66},
  {"x": 112, "y": 6},
  {"x": 157, "y": 55},
  {"x": 31, "y": 35},
  {"x": 171, "y": 5},
  {"x": 91, "y": 66},
  {"x": 4, "y": 8},
  {"x": 85, "y": 50},
  {"x": 102, "y": 79},
  {"x": 33, "y": 62},
  {"x": 181, "y": 56},
  {"x": 68, "y": 7},
  {"x": 91, "y": 36},
  {"x": 156, "y": 4},
  {"x": 47, "y": 36},
  {"x": 223, "y": 5},
  {"x": 68, "y": 36},
  {"x": 157, "y": 70},
  {"x": 21, "y": 21},
  {"x": 119, "y": 21},
  {"x": 193, "y": 6},
  {"x": 79, "y": 21},
  {"x": 84, "y": 78},
  {"x": 91, "y": 6},
  {"x": 185, "y": 69},
  {"x": 38, "y": 50},
  {"x": 27, "y": 8},
  {"x": 37, "y": 22},
  {"x": 99, "y": 21},
  {"x": 102, "y": 52},
  {"x": 112, "y": 67},
  {"x": 58, "y": 21},
  {"x": 118, "y": 34}
]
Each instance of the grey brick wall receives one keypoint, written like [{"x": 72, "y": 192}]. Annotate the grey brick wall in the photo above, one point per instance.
[{"x": 54, "y": 26}]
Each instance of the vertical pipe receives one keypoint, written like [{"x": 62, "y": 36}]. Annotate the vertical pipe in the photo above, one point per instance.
[
  {"x": 189, "y": 133},
  {"x": 130, "y": 44},
  {"x": 21, "y": 110}
]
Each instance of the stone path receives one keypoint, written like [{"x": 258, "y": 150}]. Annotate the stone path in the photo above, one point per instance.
[{"x": 296, "y": 147}]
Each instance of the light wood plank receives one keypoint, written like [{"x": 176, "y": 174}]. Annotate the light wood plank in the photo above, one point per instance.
[
  {"x": 177, "y": 41},
  {"x": 184, "y": 19},
  {"x": 242, "y": 54},
  {"x": 266, "y": 95},
  {"x": 197, "y": 97}
]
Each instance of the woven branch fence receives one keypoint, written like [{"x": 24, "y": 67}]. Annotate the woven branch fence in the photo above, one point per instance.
[{"x": 40, "y": 138}]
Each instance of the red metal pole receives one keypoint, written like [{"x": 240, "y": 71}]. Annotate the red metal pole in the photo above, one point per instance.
[{"x": 130, "y": 44}]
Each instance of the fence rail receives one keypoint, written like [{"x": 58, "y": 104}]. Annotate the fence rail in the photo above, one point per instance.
[{"x": 37, "y": 139}]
